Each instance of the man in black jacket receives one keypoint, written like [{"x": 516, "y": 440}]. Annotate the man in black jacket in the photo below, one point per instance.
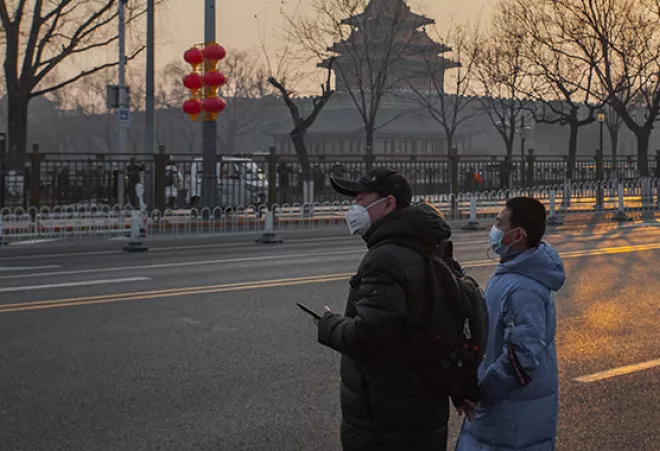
[{"x": 386, "y": 406}]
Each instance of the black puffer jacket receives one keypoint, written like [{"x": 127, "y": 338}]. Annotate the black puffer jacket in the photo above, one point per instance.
[{"x": 385, "y": 404}]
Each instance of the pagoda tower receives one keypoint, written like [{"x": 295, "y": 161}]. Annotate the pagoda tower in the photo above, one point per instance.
[{"x": 391, "y": 40}]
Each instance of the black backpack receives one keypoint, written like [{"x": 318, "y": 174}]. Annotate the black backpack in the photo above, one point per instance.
[{"x": 456, "y": 328}]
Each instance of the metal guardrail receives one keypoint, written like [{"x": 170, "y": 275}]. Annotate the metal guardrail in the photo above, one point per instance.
[{"x": 87, "y": 223}]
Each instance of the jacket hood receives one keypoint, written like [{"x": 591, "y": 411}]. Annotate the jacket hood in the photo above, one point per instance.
[
  {"x": 422, "y": 223},
  {"x": 541, "y": 264}
]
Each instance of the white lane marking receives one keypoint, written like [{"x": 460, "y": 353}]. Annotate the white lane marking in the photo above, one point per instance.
[
  {"x": 73, "y": 284},
  {"x": 592, "y": 252},
  {"x": 620, "y": 371},
  {"x": 36, "y": 241},
  {"x": 361, "y": 250},
  {"x": 26, "y": 268},
  {"x": 184, "y": 264},
  {"x": 192, "y": 247}
]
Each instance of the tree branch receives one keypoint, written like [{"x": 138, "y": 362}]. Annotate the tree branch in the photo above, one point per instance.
[
  {"x": 83, "y": 74},
  {"x": 293, "y": 108},
  {"x": 32, "y": 38}
]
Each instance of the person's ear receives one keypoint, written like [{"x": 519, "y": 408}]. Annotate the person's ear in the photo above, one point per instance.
[{"x": 390, "y": 204}]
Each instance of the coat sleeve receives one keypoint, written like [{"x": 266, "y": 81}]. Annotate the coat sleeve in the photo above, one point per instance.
[
  {"x": 524, "y": 317},
  {"x": 381, "y": 311}
]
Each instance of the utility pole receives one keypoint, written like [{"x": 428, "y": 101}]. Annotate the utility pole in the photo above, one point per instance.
[
  {"x": 150, "y": 75},
  {"x": 209, "y": 128},
  {"x": 123, "y": 112}
]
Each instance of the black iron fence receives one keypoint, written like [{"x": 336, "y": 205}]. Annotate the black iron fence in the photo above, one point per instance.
[{"x": 175, "y": 180}]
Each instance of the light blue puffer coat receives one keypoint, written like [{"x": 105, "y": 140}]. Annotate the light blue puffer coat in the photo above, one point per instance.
[{"x": 521, "y": 306}]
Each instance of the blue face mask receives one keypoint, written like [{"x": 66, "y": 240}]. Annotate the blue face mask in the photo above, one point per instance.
[{"x": 495, "y": 240}]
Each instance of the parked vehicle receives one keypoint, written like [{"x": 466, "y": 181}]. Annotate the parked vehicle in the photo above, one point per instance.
[{"x": 240, "y": 183}]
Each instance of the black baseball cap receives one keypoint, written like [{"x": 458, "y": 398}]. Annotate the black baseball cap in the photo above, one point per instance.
[{"x": 383, "y": 181}]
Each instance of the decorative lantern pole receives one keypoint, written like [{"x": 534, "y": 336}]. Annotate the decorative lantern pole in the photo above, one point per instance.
[{"x": 208, "y": 102}]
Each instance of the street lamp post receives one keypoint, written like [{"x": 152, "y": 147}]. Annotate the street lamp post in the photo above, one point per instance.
[{"x": 599, "y": 163}]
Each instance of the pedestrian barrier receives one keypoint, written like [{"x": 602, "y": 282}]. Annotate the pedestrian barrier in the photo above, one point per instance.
[
  {"x": 137, "y": 232},
  {"x": 78, "y": 223}
]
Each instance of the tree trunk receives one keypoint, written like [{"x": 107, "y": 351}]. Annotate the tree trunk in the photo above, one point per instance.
[
  {"x": 509, "y": 150},
  {"x": 572, "y": 149},
  {"x": 370, "y": 147},
  {"x": 17, "y": 126},
  {"x": 450, "y": 142},
  {"x": 614, "y": 147},
  {"x": 298, "y": 140},
  {"x": 643, "y": 151}
]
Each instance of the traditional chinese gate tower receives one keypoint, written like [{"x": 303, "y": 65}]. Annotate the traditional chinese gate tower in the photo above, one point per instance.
[{"x": 389, "y": 26}]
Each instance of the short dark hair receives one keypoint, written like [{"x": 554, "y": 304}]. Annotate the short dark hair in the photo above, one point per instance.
[{"x": 528, "y": 213}]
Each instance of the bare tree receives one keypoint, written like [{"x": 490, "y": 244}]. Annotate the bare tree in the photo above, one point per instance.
[
  {"x": 561, "y": 89},
  {"x": 45, "y": 35},
  {"x": 245, "y": 93},
  {"x": 302, "y": 124},
  {"x": 449, "y": 100},
  {"x": 621, "y": 40},
  {"x": 614, "y": 123},
  {"x": 369, "y": 44},
  {"x": 170, "y": 95},
  {"x": 500, "y": 80},
  {"x": 87, "y": 98},
  {"x": 280, "y": 76}
]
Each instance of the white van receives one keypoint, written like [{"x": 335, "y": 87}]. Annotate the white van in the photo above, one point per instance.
[{"x": 240, "y": 183}]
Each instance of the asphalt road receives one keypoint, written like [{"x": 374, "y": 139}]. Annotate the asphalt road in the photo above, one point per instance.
[{"x": 199, "y": 345}]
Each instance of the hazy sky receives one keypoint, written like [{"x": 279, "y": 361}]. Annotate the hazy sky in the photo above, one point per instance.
[{"x": 181, "y": 23}]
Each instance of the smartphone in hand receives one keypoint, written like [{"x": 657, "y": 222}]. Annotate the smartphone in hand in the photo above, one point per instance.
[{"x": 309, "y": 311}]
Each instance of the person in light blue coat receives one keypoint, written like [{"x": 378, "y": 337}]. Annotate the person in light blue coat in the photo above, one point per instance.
[{"x": 518, "y": 377}]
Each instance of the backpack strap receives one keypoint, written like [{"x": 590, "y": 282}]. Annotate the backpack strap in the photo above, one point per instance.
[{"x": 445, "y": 278}]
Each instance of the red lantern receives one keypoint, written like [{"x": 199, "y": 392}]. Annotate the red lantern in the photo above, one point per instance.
[
  {"x": 214, "y": 53},
  {"x": 192, "y": 108},
  {"x": 214, "y": 79},
  {"x": 194, "y": 57},
  {"x": 213, "y": 106},
  {"x": 193, "y": 82}
]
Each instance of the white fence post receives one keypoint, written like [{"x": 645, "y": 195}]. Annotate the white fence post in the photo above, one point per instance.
[
  {"x": 308, "y": 198},
  {"x": 553, "y": 219},
  {"x": 134, "y": 243},
  {"x": 621, "y": 215},
  {"x": 269, "y": 236},
  {"x": 472, "y": 224}
]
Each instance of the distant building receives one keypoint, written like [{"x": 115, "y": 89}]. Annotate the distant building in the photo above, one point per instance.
[{"x": 418, "y": 64}]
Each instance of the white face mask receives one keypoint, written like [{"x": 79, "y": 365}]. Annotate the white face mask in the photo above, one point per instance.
[{"x": 358, "y": 218}]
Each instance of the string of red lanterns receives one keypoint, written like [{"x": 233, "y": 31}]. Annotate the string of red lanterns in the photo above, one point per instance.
[{"x": 209, "y": 81}]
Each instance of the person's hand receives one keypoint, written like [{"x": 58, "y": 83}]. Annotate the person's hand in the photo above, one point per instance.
[
  {"x": 467, "y": 408},
  {"x": 316, "y": 321}
]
